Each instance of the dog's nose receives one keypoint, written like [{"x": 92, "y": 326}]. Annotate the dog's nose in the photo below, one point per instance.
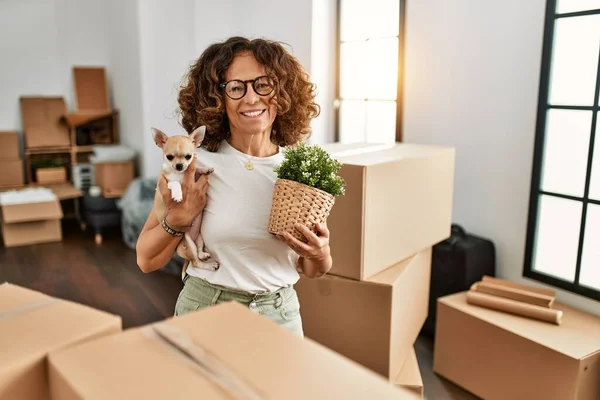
[{"x": 178, "y": 167}]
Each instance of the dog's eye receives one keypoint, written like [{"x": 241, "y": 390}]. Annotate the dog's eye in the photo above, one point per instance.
[
  {"x": 188, "y": 156},
  {"x": 170, "y": 157}
]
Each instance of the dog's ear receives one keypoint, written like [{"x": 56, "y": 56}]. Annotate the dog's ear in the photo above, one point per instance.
[
  {"x": 198, "y": 135},
  {"x": 159, "y": 137}
]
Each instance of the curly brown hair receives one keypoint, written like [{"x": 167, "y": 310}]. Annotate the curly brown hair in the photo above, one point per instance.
[{"x": 201, "y": 100}]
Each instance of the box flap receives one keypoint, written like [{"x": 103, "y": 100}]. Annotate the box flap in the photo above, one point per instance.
[
  {"x": 39, "y": 211},
  {"x": 245, "y": 344},
  {"x": 65, "y": 191},
  {"x": 26, "y": 333},
  {"x": 390, "y": 275},
  {"x": 380, "y": 154},
  {"x": 91, "y": 90},
  {"x": 410, "y": 375},
  {"x": 43, "y": 124},
  {"x": 83, "y": 117},
  {"x": 578, "y": 336}
]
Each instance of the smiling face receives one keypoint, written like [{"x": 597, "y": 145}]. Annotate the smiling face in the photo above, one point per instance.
[{"x": 252, "y": 114}]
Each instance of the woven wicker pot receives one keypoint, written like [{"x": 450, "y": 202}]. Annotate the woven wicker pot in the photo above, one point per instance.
[{"x": 297, "y": 203}]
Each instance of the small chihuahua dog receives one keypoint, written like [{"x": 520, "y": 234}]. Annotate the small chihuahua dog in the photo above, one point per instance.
[{"x": 178, "y": 152}]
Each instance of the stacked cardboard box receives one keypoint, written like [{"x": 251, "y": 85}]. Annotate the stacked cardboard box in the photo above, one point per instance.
[
  {"x": 11, "y": 164},
  {"x": 373, "y": 303}
]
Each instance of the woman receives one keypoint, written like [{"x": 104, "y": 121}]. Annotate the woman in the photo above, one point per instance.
[{"x": 255, "y": 99}]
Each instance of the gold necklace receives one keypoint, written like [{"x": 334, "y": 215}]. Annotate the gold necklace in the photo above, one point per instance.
[{"x": 249, "y": 166}]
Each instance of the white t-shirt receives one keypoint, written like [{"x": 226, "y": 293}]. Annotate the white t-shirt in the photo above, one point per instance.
[{"x": 235, "y": 224}]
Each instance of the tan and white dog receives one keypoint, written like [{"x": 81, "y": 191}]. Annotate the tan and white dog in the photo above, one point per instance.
[{"x": 178, "y": 154}]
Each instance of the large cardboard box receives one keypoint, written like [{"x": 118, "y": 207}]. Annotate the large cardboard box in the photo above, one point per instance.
[
  {"x": 373, "y": 322},
  {"x": 31, "y": 223},
  {"x": 398, "y": 202},
  {"x": 9, "y": 145},
  {"x": 187, "y": 357},
  {"x": 410, "y": 376},
  {"x": 43, "y": 122},
  {"x": 497, "y": 355},
  {"x": 114, "y": 177},
  {"x": 33, "y": 324},
  {"x": 11, "y": 173}
]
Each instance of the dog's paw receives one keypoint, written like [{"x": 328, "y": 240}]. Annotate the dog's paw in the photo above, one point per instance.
[
  {"x": 177, "y": 196},
  {"x": 203, "y": 256},
  {"x": 212, "y": 265}
]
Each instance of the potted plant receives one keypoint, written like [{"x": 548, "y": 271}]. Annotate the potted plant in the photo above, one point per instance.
[{"x": 305, "y": 190}]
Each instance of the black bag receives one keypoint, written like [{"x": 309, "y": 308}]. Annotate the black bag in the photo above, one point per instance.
[{"x": 457, "y": 263}]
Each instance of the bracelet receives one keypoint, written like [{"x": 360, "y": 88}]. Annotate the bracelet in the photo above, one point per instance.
[{"x": 168, "y": 229}]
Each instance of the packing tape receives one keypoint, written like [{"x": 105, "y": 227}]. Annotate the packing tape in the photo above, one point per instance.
[
  {"x": 210, "y": 365},
  {"x": 42, "y": 303}
]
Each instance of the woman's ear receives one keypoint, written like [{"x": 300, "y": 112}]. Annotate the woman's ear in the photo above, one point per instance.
[{"x": 198, "y": 135}]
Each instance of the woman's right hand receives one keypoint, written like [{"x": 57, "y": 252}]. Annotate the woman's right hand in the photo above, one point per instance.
[{"x": 181, "y": 214}]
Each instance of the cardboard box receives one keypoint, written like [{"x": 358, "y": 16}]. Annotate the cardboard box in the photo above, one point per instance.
[
  {"x": 228, "y": 342},
  {"x": 33, "y": 324},
  {"x": 114, "y": 177},
  {"x": 51, "y": 175},
  {"x": 31, "y": 223},
  {"x": 9, "y": 145},
  {"x": 497, "y": 355},
  {"x": 11, "y": 174},
  {"x": 373, "y": 322},
  {"x": 410, "y": 376},
  {"x": 43, "y": 124},
  {"x": 398, "y": 202}
]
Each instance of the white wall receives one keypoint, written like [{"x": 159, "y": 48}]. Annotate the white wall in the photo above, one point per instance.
[
  {"x": 287, "y": 21},
  {"x": 322, "y": 72},
  {"x": 124, "y": 77},
  {"x": 472, "y": 76},
  {"x": 166, "y": 33},
  {"x": 30, "y": 56}
]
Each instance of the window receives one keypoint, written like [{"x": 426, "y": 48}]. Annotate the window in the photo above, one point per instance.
[
  {"x": 563, "y": 234},
  {"x": 369, "y": 87}
]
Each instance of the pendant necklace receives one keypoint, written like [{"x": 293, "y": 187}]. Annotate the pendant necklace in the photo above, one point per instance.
[{"x": 249, "y": 166}]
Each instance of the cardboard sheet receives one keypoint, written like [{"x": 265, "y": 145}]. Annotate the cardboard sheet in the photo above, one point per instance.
[{"x": 91, "y": 90}]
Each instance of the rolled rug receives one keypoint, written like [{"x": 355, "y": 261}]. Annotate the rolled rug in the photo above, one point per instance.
[{"x": 515, "y": 307}]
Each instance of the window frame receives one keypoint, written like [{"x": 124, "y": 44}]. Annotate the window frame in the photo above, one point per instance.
[
  {"x": 400, "y": 88},
  {"x": 535, "y": 190}
]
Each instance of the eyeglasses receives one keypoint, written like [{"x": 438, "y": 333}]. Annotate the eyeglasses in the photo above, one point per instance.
[{"x": 236, "y": 88}]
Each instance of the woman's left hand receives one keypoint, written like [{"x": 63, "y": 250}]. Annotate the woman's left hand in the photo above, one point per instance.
[{"x": 315, "y": 255}]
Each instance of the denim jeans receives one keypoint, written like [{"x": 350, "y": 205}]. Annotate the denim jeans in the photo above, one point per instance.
[{"x": 281, "y": 306}]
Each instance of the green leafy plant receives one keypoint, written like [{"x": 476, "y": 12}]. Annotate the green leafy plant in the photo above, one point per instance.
[{"x": 312, "y": 166}]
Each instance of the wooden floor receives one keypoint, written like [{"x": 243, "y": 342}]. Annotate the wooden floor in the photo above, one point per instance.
[{"x": 106, "y": 277}]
